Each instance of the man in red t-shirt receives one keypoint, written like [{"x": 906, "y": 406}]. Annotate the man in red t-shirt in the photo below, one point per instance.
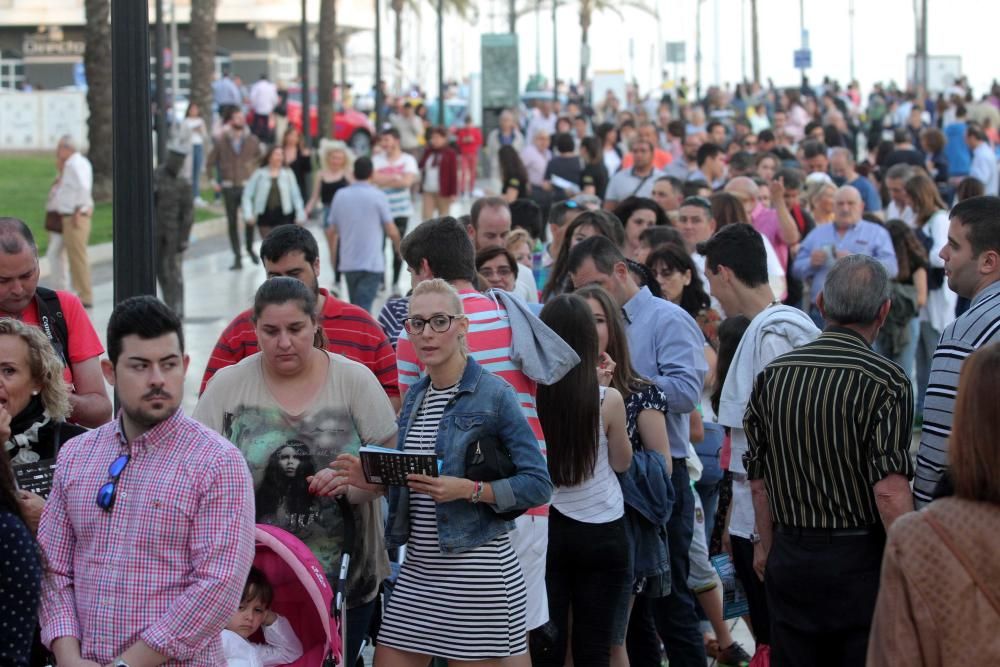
[
  {"x": 81, "y": 351},
  {"x": 470, "y": 140},
  {"x": 350, "y": 331}
]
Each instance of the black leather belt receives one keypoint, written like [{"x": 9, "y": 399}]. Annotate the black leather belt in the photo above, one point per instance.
[{"x": 796, "y": 531}]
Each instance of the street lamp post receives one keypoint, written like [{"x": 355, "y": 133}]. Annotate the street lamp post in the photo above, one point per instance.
[
  {"x": 159, "y": 39},
  {"x": 378, "y": 66},
  {"x": 304, "y": 40},
  {"x": 134, "y": 272},
  {"x": 555, "y": 53},
  {"x": 440, "y": 40}
]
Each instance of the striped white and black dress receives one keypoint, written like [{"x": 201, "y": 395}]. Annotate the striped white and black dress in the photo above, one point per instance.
[{"x": 467, "y": 606}]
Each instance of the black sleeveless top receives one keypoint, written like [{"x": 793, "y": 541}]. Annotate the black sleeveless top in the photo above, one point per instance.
[{"x": 328, "y": 190}]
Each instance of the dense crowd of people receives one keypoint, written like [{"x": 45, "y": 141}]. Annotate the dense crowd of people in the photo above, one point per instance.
[{"x": 669, "y": 342}]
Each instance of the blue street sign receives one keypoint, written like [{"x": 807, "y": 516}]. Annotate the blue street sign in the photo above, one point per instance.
[{"x": 803, "y": 58}]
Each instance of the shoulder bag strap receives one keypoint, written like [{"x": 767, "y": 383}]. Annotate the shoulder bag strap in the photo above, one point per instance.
[{"x": 962, "y": 559}]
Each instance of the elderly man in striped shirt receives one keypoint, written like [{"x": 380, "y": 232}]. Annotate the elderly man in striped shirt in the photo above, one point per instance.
[
  {"x": 828, "y": 433},
  {"x": 972, "y": 264},
  {"x": 148, "y": 534}
]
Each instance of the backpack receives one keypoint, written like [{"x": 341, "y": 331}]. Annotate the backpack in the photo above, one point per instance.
[{"x": 52, "y": 322}]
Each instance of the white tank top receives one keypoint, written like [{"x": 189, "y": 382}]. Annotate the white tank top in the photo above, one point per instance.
[{"x": 598, "y": 499}]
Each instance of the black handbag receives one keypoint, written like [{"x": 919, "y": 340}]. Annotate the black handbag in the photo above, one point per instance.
[{"x": 487, "y": 460}]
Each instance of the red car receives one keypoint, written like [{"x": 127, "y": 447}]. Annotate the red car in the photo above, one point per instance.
[{"x": 350, "y": 126}]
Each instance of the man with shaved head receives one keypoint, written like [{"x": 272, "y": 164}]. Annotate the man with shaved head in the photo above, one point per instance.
[
  {"x": 848, "y": 235},
  {"x": 777, "y": 224}
]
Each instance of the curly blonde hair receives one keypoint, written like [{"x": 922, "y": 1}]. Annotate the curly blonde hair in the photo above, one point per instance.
[{"x": 45, "y": 366}]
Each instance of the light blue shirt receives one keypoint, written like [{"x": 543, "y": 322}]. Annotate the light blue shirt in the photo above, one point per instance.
[
  {"x": 668, "y": 348},
  {"x": 863, "y": 238},
  {"x": 225, "y": 91},
  {"x": 359, "y": 213}
]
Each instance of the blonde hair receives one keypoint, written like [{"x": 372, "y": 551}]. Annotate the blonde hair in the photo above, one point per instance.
[
  {"x": 44, "y": 365},
  {"x": 815, "y": 189},
  {"x": 328, "y": 146},
  {"x": 445, "y": 289},
  {"x": 442, "y": 287},
  {"x": 517, "y": 236}
]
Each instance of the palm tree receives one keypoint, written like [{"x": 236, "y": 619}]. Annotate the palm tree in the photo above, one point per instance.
[
  {"x": 327, "y": 47},
  {"x": 755, "y": 40},
  {"x": 587, "y": 10},
  {"x": 202, "y": 31},
  {"x": 97, "y": 65},
  {"x": 460, "y": 7}
]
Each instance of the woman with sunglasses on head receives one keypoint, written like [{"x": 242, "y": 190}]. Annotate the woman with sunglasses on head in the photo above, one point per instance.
[
  {"x": 294, "y": 406},
  {"x": 460, "y": 594},
  {"x": 588, "y": 571}
]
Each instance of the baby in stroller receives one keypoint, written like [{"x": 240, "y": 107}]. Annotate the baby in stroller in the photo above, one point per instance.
[{"x": 281, "y": 646}]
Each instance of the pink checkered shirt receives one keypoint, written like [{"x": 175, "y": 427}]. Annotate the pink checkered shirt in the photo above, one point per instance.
[{"x": 168, "y": 563}]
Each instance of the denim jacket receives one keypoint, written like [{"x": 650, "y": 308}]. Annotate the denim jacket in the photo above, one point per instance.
[{"x": 484, "y": 405}]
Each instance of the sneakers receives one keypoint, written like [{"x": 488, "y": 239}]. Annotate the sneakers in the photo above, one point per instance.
[{"x": 733, "y": 656}]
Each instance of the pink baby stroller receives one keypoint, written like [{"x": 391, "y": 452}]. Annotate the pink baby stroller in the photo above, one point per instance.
[{"x": 303, "y": 595}]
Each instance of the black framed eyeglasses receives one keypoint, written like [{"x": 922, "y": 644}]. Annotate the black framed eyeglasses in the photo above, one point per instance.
[
  {"x": 439, "y": 323},
  {"x": 106, "y": 494}
]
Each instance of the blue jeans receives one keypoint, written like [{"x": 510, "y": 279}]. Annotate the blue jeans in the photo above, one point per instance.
[
  {"x": 926, "y": 345},
  {"x": 675, "y": 616},
  {"x": 362, "y": 286},
  {"x": 197, "y": 153},
  {"x": 907, "y": 359},
  {"x": 711, "y": 477}
]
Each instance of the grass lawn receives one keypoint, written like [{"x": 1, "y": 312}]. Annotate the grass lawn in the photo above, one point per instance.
[{"x": 24, "y": 186}]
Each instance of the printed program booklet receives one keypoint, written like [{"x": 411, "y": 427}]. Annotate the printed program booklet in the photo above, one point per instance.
[{"x": 391, "y": 466}]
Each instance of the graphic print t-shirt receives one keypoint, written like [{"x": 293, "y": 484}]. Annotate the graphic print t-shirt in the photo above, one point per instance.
[{"x": 282, "y": 450}]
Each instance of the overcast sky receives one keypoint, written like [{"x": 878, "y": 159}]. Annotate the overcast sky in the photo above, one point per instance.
[{"x": 883, "y": 36}]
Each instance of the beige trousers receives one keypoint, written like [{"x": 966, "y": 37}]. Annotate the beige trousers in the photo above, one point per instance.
[{"x": 76, "y": 235}]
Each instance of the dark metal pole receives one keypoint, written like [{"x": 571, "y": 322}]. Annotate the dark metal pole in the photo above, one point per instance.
[
  {"x": 134, "y": 271},
  {"x": 378, "y": 66},
  {"x": 304, "y": 75},
  {"x": 440, "y": 113},
  {"x": 555, "y": 53},
  {"x": 161, "y": 93}
]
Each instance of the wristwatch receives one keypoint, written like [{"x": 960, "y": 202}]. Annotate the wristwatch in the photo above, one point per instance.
[
  {"x": 119, "y": 663},
  {"x": 754, "y": 539}
]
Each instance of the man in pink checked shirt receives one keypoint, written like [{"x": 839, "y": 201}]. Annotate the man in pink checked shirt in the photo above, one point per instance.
[{"x": 148, "y": 534}]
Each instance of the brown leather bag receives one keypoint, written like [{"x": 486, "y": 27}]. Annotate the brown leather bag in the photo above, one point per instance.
[{"x": 53, "y": 222}]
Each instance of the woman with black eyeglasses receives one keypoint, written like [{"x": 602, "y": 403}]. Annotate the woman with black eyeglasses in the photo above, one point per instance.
[{"x": 461, "y": 594}]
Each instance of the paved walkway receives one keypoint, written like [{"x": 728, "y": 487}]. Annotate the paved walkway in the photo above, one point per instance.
[{"x": 214, "y": 295}]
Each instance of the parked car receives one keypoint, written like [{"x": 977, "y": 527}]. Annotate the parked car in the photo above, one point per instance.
[{"x": 350, "y": 126}]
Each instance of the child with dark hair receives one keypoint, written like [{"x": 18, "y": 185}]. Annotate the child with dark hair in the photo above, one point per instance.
[{"x": 280, "y": 646}]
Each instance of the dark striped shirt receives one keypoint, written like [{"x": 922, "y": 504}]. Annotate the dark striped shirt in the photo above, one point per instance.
[
  {"x": 350, "y": 332},
  {"x": 977, "y": 327},
  {"x": 826, "y": 422}
]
